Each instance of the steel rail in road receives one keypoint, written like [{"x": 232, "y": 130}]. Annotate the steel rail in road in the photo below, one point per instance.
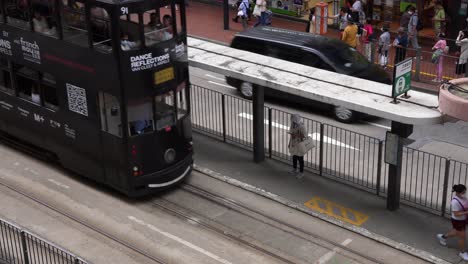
[
  {"x": 243, "y": 210},
  {"x": 77, "y": 220},
  {"x": 332, "y": 88}
]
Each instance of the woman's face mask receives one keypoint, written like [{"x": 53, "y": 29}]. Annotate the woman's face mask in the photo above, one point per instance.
[{"x": 410, "y": 12}]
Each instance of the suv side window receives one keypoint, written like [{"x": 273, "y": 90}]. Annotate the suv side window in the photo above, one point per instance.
[{"x": 247, "y": 44}]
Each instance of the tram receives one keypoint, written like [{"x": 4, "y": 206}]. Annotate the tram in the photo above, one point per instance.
[{"x": 102, "y": 85}]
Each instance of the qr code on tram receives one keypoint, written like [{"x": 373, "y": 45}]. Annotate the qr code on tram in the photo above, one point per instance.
[{"x": 77, "y": 99}]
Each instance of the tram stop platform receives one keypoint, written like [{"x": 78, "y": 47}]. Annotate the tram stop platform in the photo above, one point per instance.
[{"x": 351, "y": 206}]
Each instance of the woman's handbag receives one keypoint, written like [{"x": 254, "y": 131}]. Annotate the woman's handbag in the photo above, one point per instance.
[
  {"x": 460, "y": 68},
  {"x": 305, "y": 146},
  {"x": 436, "y": 56},
  {"x": 256, "y": 12}
]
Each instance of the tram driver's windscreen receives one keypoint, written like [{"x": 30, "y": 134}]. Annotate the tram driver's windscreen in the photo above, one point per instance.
[{"x": 140, "y": 116}]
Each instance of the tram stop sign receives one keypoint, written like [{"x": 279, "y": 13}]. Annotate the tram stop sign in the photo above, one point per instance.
[{"x": 402, "y": 78}]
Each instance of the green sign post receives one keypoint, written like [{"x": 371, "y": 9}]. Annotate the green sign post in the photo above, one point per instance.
[{"x": 402, "y": 78}]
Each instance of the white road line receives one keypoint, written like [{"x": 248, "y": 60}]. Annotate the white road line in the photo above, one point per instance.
[
  {"x": 327, "y": 257},
  {"x": 59, "y": 184},
  {"x": 223, "y": 85},
  {"x": 214, "y": 77},
  {"x": 377, "y": 125},
  {"x": 315, "y": 136},
  {"x": 180, "y": 240}
]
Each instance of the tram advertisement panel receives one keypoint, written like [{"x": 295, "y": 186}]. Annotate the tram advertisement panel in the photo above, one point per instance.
[
  {"x": 156, "y": 69},
  {"x": 69, "y": 61}
]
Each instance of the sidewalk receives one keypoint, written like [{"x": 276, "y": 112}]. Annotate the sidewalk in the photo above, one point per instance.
[
  {"x": 206, "y": 21},
  {"x": 407, "y": 225}
]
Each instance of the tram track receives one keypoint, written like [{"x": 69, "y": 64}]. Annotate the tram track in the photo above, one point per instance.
[
  {"x": 210, "y": 224},
  {"x": 83, "y": 223}
]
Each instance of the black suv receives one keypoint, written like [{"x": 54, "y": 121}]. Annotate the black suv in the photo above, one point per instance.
[{"x": 308, "y": 49}]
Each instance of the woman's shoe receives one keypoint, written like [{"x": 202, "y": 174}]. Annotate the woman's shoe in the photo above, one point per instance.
[{"x": 300, "y": 175}]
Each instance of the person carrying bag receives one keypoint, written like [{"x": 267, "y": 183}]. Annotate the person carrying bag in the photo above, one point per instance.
[{"x": 299, "y": 144}]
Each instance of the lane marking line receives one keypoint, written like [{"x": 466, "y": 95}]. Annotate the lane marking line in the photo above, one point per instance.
[
  {"x": 377, "y": 125},
  {"x": 329, "y": 255},
  {"x": 315, "y": 136},
  {"x": 180, "y": 240},
  {"x": 347, "y": 215},
  {"x": 214, "y": 77},
  {"x": 58, "y": 183},
  {"x": 223, "y": 85}
]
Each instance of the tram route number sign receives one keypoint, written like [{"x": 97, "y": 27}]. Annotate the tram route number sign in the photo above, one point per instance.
[
  {"x": 164, "y": 75},
  {"x": 402, "y": 78}
]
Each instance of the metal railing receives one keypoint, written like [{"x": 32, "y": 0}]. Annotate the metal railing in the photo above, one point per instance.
[
  {"x": 18, "y": 246},
  {"x": 340, "y": 154}
]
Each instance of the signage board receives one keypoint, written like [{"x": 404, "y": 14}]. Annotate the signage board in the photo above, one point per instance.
[
  {"x": 164, "y": 75},
  {"x": 391, "y": 148},
  {"x": 402, "y": 77}
]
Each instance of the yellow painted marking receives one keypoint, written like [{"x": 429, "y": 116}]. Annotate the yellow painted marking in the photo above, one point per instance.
[{"x": 346, "y": 215}]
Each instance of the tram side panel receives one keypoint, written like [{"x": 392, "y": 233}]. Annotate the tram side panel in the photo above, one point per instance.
[{"x": 73, "y": 130}]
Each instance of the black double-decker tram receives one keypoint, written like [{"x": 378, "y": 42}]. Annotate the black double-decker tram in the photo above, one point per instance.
[{"x": 102, "y": 85}]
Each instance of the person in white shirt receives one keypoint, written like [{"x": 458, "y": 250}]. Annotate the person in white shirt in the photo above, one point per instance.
[
  {"x": 357, "y": 13},
  {"x": 35, "y": 96},
  {"x": 459, "y": 206}
]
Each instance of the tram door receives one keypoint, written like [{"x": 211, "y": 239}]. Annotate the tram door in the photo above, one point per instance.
[{"x": 112, "y": 145}]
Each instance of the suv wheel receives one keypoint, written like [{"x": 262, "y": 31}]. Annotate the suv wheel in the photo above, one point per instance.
[
  {"x": 246, "y": 90},
  {"x": 344, "y": 115}
]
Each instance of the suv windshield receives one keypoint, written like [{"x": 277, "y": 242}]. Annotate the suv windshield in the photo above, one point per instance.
[{"x": 347, "y": 60}]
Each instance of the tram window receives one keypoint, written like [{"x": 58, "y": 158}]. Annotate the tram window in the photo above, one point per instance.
[
  {"x": 5, "y": 82},
  {"x": 165, "y": 112},
  {"x": 100, "y": 26},
  {"x": 50, "y": 96},
  {"x": 178, "y": 21},
  {"x": 110, "y": 114},
  {"x": 74, "y": 22},
  {"x": 17, "y": 12},
  {"x": 140, "y": 117},
  {"x": 44, "y": 17},
  {"x": 129, "y": 32},
  {"x": 158, "y": 29}
]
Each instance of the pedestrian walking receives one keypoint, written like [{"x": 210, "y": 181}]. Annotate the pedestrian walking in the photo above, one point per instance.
[
  {"x": 384, "y": 46},
  {"x": 413, "y": 27},
  {"x": 439, "y": 18},
  {"x": 242, "y": 13},
  {"x": 400, "y": 44},
  {"x": 459, "y": 205},
  {"x": 440, "y": 48},
  {"x": 343, "y": 17},
  {"x": 405, "y": 18},
  {"x": 350, "y": 34},
  {"x": 368, "y": 38},
  {"x": 298, "y": 134},
  {"x": 261, "y": 6},
  {"x": 357, "y": 12},
  {"x": 311, "y": 25},
  {"x": 462, "y": 41}
]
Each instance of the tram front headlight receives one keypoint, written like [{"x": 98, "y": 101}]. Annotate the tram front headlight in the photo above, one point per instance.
[{"x": 170, "y": 155}]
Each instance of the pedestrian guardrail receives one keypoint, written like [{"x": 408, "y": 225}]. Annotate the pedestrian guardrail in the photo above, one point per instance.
[
  {"x": 18, "y": 246},
  {"x": 340, "y": 154}
]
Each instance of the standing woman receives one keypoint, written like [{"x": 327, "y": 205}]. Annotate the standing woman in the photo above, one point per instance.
[
  {"x": 311, "y": 25},
  {"x": 459, "y": 205},
  {"x": 438, "y": 57},
  {"x": 298, "y": 134},
  {"x": 462, "y": 41}
]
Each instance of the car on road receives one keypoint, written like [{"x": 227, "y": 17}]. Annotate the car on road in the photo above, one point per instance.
[{"x": 307, "y": 49}]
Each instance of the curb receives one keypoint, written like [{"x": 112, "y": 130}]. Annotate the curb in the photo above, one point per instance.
[{"x": 421, "y": 254}]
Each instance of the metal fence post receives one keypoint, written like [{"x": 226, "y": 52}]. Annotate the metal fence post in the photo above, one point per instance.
[
  {"x": 418, "y": 65},
  {"x": 76, "y": 261},
  {"x": 445, "y": 191},
  {"x": 321, "y": 149},
  {"x": 372, "y": 53},
  {"x": 379, "y": 167},
  {"x": 223, "y": 106},
  {"x": 25, "y": 249},
  {"x": 270, "y": 132}
]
